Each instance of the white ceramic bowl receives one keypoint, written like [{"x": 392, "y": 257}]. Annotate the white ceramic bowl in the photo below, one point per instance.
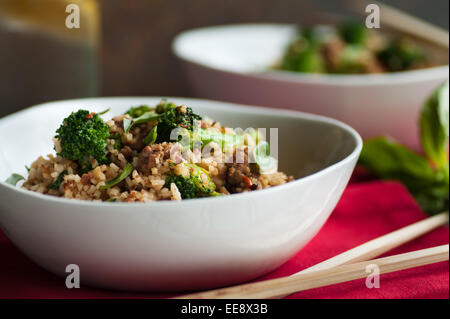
[
  {"x": 168, "y": 246},
  {"x": 230, "y": 63}
]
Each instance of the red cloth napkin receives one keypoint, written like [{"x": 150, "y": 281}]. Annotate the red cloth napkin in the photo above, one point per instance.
[{"x": 367, "y": 210}]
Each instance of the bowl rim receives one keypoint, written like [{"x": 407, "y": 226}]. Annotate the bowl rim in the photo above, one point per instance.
[
  {"x": 390, "y": 78},
  {"x": 224, "y": 105}
]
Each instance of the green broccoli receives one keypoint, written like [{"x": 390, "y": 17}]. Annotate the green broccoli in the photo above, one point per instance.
[
  {"x": 400, "y": 55},
  {"x": 312, "y": 35},
  {"x": 303, "y": 56},
  {"x": 353, "y": 32},
  {"x": 352, "y": 60},
  {"x": 197, "y": 184},
  {"x": 173, "y": 116},
  {"x": 83, "y": 135}
]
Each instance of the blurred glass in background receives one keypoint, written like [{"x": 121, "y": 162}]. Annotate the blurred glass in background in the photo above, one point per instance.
[{"x": 40, "y": 58}]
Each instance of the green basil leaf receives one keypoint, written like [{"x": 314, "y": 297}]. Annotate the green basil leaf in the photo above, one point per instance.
[
  {"x": 14, "y": 179},
  {"x": 222, "y": 139},
  {"x": 261, "y": 154},
  {"x": 127, "y": 171},
  {"x": 151, "y": 136},
  {"x": 144, "y": 118},
  {"x": 434, "y": 126},
  {"x": 127, "y": 123},
  {"x": 138, "y": 111},
  {"x": 255, "y": 135},
  {"x": 390, "y": 160},
  {"x": 434, "y": 199}
]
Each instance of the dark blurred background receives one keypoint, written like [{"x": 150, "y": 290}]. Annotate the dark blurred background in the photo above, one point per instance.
[
  {"x": 123, "y": 47},
  {"x": 136, "y": 55}
]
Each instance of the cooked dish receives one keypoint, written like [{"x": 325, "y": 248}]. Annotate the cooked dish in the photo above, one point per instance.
[
  {"x": 148, "y": 154},
  {"x": 351, "y": 48}
]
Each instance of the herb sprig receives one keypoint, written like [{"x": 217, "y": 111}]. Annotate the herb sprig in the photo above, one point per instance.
[
  {"x": 427, "y": 176},
  {"x": 126, "y": 171},
  {"x": 14, "y": 179},
  {"x": 144, "y": 118}
]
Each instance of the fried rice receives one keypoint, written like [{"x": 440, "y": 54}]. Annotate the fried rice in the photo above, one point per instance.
[{"x": 151, "y": 165}]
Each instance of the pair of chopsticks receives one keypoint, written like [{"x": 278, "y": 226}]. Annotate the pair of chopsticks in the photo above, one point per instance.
[
  {"x": 404, "y": 22},
  {"x": 347, "y": 266}
]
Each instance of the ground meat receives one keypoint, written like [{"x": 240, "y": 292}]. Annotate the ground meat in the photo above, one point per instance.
[
  {"x": 86, "y": 179},
  {"x": 236, "y": 173},
  {"x": 152, "y": 155},
  {"x": 332, "y": 51},
  {"x": 374, "y": 66},
  {"x": 239, "y": 176},
  {"x": 127, "y": 152},
  {"x": 139, "y": 133}
]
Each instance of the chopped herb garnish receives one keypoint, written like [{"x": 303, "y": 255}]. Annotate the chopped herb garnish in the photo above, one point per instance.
[
  {"x": 14, "y": 179},
  {"x": 27, "y": 168},
  {"x": 127, "y": 171},
  {"x": 111, "y": 200},
  {"x": 426, "y": 176},
  {"x": 265, "y": 163},
  {"x": 151, "y": 136},
  {"x": 138, "y": 111},
  {"x": 58, "y": 180},
  {"x": 127, "y": 124},
  {"x": 144, "y": 118}
]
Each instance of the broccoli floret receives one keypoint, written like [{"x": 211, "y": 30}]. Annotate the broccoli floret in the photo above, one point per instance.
[
  {"x": 173, "y": 116},
  {"x": 312, "y": 35},
  {"x": 82, "y": 136},
  {"x": 400, "y": 55},
  {"x": 353, "y": 32},
  {"x": 303, "y": 56},
  {"x": 138, "y": 111},
  {"x": 197, "y": 184},
  {"x": 352, "y": 60}
]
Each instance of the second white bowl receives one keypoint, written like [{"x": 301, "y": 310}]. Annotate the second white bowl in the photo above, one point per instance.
[{"x": 231, "y": 63}]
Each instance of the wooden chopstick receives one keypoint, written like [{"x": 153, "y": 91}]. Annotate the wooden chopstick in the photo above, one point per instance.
[
  {"x": 275, "y": 288},
  {"x": 380, "y": 245},
  {"x": 404, "y": 22}
]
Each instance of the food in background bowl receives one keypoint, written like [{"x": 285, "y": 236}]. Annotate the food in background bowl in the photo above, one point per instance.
[
  {"x": 150, "y": 154},
  {"x": 351, "y": 48},
  {"x": 235, "y": 63}
]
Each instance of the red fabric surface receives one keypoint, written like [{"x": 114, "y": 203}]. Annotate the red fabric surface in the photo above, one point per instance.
[{"x": 367, "y": 210}]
